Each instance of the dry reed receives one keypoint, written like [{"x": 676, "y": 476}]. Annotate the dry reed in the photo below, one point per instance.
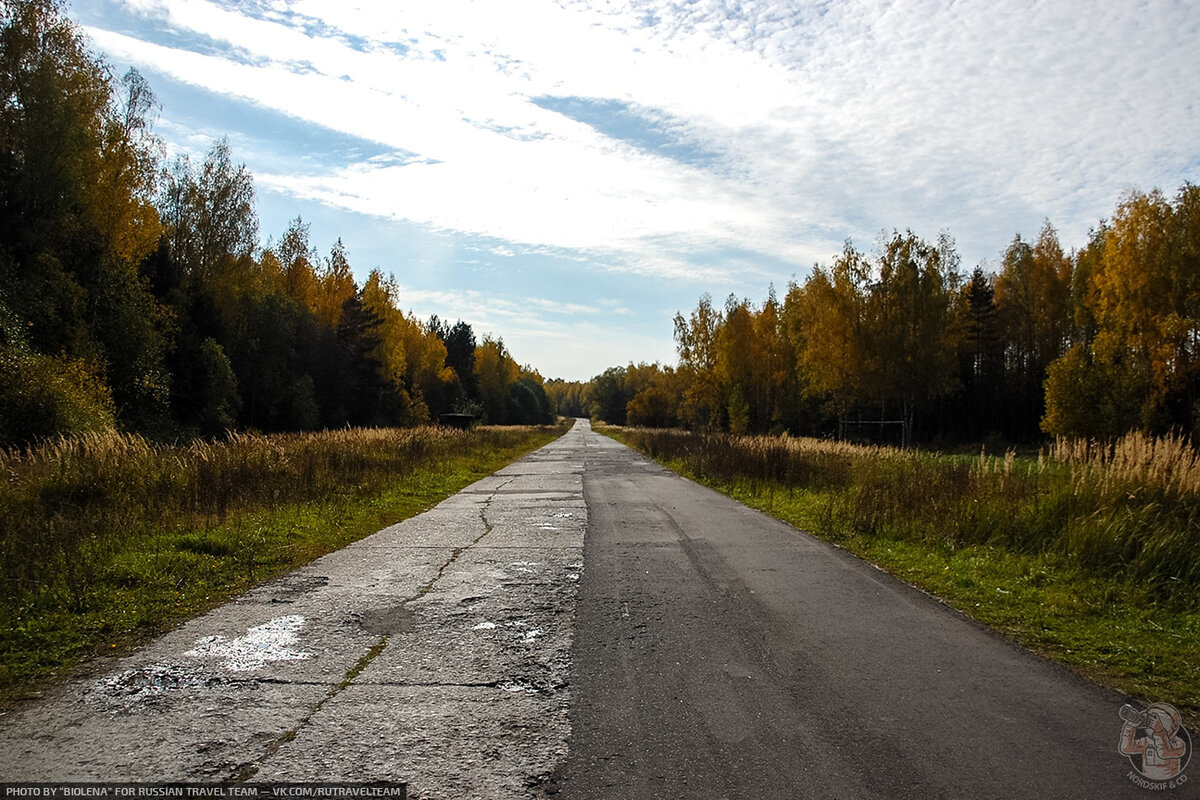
[
  {"x": 1129, "y": 510},
  {"x": 66, "y": 503}
]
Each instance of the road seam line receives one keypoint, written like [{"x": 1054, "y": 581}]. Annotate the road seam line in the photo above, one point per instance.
[{"x": 249, "y": 770}]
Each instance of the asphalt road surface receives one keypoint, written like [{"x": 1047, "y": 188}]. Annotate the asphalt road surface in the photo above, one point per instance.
[
  {"x": 721, "y": 654},
  {"x": 688, "y": 647}
]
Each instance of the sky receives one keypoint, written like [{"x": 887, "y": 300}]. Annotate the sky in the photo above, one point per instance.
[{"x": 568, "y": 175}]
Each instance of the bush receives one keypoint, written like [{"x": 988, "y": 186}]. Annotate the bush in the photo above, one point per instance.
[{"x": 42, "y": 396}]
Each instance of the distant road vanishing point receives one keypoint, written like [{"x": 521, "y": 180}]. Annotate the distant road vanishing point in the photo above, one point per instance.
[{"x": 586, "y": 624}]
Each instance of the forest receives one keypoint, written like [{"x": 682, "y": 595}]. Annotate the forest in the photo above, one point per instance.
[
  {"x": 135, "y": 296},
  {"x": 899, "y": 344}
]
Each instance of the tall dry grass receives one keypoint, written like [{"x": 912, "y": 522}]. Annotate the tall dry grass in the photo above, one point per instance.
[
  {"x": 1129, "y": 510},
  {"x": 1170, "y": 464},
  {"x": 68, "y": 503}
]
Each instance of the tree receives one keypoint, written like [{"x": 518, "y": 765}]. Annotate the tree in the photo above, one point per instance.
[
  {"x": 77, "y": 165},
  {"x": 130, "y": 330},
  {"x": 911, "y": 336},
  {"x": 297, "y": 259},
  {"x": 608, "y": 397},
  {"x": 827, "y": 320},
  {"x": 1033, "y": 294},
  {"x": 528, "y": 404},
  {"x": 411, "y": 355},
  {"x": 335, "y": 286},
  {"x": 654, "y": 394},
  {"x": 219, "y": 402},
  {"x": 209, "y": 213},
  {"x": 781, "y": 388},
  {"x": 568, "y": 398},
  {"x": 744, "y": 367},
  {"x": 1093, "y": 399},
  {"x": 696, "y": 341},
  {"x": 363, "y": 387},
  {"x": 981, "y": 355},
  {"x": 122, "y": 203},
  {"x": 739, "y": 411},
  {"x": 272, "y": 344},
  {"x": 460, "y": 356},
  {"x": 43, "y": 396},
  {"x": 495, "y": 371},
  {"x": 1142, "y": 315},
  {"x": 56, "y": 103}
]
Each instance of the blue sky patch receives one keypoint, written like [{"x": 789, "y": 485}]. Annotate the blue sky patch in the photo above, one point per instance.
[
  {"x": 651, "y": 130},
  {"x": 195, "y": 108}
]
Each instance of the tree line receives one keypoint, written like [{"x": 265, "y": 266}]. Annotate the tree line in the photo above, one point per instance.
[
  {"x": 134, "y": 293},
  {"x": 899, "y": 343}
]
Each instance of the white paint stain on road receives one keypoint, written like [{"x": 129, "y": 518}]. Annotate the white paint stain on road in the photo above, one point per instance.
[{"x": 271, "y": 641}]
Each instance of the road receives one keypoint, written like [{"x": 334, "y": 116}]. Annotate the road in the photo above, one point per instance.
[
  {"x": 686, "y": 647},
  {"x": 720, "y": 653}
]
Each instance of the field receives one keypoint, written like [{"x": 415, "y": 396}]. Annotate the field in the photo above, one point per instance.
[
  {"x": 1087, "y": 554},
  {"x": 108, "y": 539}
]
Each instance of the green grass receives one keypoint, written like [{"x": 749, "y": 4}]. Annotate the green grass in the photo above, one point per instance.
[
  {"x": 1043, "y": 553},
  {"x": 103, "y": 590}
]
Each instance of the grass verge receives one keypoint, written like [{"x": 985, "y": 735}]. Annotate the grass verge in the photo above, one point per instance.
[
  {"x": 98, "y": 558},
  {"x": 1020, "y": 547}
]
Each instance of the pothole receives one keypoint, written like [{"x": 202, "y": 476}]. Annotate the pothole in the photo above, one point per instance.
[
  {"x": 156, "y": 679},
  {"x": 386, "y": 621},
  {"x": 145, "y": 687}
]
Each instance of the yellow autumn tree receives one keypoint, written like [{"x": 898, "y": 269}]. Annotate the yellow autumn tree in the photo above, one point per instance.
[
  {"x": 1142, "y": 299},
  {"x": 827, "y": 323},
  {"x": 335, "y": 285},
  {"x": 121, "y": 197},
  {"x": 696, "y": 341},
  {"x": 1033, "y": 301},
  {"x": 412, "y": 359},
  {"x": 495, "y": 371},
  {"x": 297, "y": 259},
  {"x": 655, "y": 394}
]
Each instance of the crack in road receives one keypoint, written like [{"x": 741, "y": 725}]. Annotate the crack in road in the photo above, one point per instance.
[
  {"x": 458, "y": 551},
  {"x": 247, "y": 771}
]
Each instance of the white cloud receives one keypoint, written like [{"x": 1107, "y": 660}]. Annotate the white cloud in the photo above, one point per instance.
[{"x": 826, "y": 120}]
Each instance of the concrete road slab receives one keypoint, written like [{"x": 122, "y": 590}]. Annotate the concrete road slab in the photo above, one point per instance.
[
  {"x": 371, "y": 663},
  {"x": 447, "y": 742}
]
